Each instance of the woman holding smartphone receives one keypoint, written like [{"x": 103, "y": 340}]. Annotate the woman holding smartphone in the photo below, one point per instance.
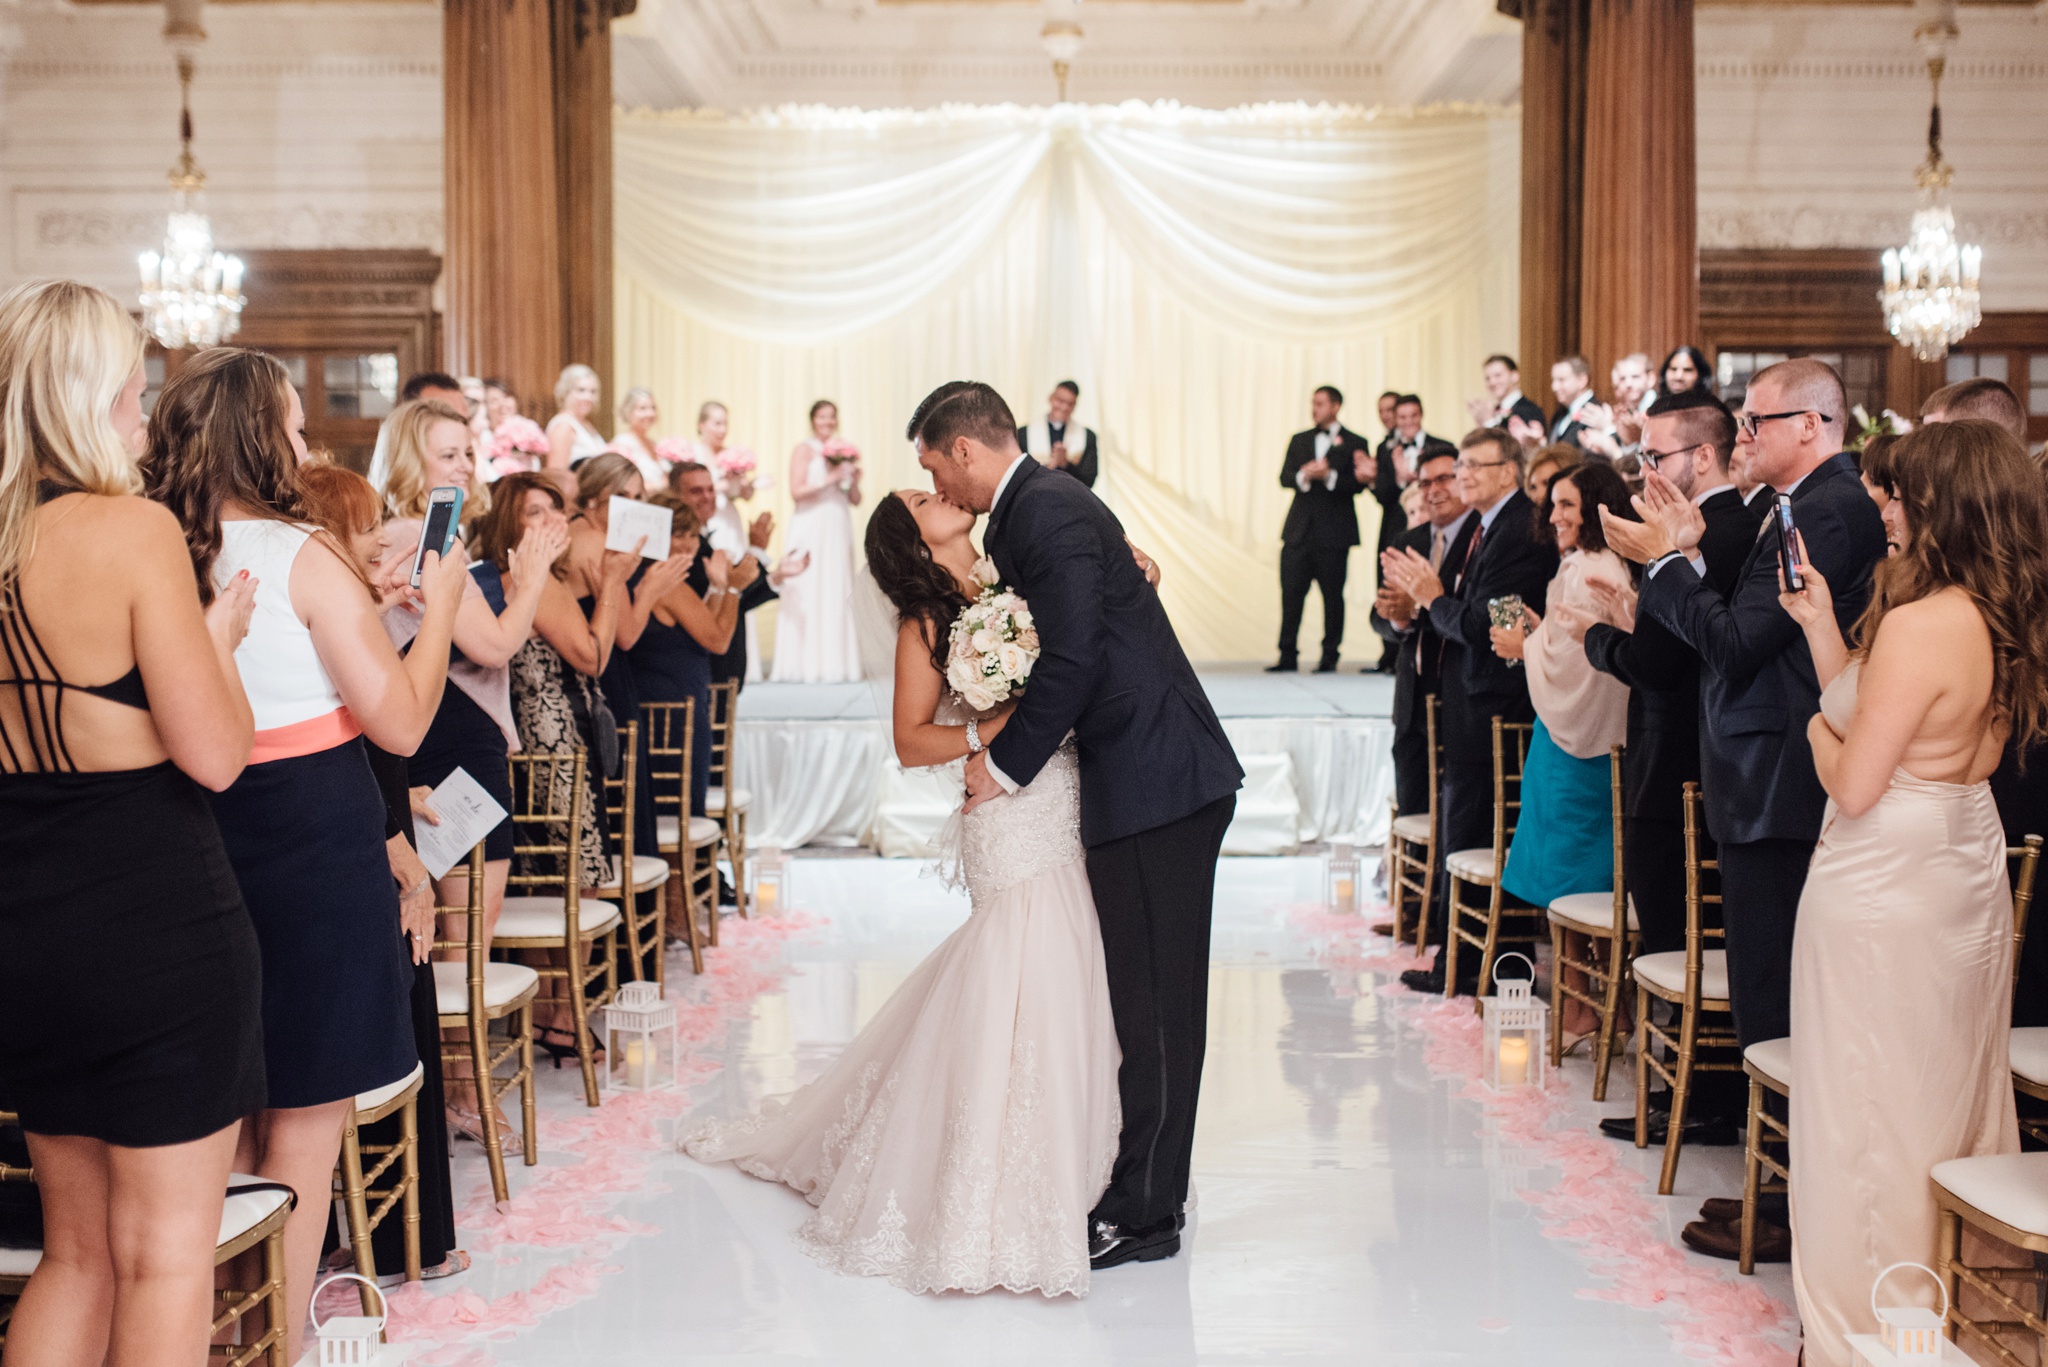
[
  {"x": 119, "y": 703},
  {"x": 304, "y": 824}
]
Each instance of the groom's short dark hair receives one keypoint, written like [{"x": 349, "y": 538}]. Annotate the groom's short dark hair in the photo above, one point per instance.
[{"x": 963, "y": 408}]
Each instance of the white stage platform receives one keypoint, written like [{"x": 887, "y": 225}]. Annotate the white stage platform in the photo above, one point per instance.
[{"x": 1316, "y": 748}]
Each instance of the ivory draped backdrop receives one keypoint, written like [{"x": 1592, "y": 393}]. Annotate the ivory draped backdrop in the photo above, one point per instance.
[{"x": 1197, "y": 272}]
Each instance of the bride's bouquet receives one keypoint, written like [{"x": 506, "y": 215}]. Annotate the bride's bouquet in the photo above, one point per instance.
[{"x": 993, "y": 644}]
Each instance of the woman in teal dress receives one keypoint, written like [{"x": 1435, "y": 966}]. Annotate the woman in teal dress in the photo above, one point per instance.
[{"x": 1564, "y": 840}]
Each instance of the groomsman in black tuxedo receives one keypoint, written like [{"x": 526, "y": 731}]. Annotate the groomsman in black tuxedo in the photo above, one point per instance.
[
  {"x": 1056, "y": 441},
  {"x": 1505, "y": 556},
  {"x": 1758, "y": 687},
  {"x": 1505, "y": 401},
  {"x": 1572, "y": 384},
  {"x": 1321, "y": 528},
  {"x": 1688, "y": 438},
  {"x": 1393, "y": 467},
  {"x": 1418, "y": 649}
]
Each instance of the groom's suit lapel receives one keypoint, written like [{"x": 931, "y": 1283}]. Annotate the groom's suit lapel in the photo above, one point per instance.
[{"x": 992, "y": 538}]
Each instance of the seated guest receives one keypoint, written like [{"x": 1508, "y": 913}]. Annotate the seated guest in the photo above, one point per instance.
[
  {"x": 671, "y": 661},
  {"x": 1545, "y": 466},
  {"x": 1908, "y": 887},
  {"x": 131, "y": 1035},
  {"x": 1564, "y": 841},
  {"x": 1874, "y": 467},
  {"x": 342, "y": 502},
  {"x": 304, "y": 825},
  {"x": 1685, "y": 370},
  {"x": 1985, "y": 398},
  {"x": 428, "y": 448},
  {"x": 1504, "y": 557}
]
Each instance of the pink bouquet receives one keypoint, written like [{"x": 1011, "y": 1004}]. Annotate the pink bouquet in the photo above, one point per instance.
[
  {"x": 670, "y": 450},
  {"x": 837, "y": 452},
  {"x": 734, "y": 461},
  {"x": 518, "y": 446}
]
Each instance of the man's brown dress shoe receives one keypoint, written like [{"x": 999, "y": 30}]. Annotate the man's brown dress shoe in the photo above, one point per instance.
[
  {"x": 1721, "y": 1210},
  {"x": 1718, "y": 1239}
]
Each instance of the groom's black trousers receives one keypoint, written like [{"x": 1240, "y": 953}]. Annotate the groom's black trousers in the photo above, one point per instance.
[{"x": 1153, "y": 896}]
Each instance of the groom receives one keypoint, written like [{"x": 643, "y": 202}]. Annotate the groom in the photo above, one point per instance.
[{"x": 1158, "y": 783}]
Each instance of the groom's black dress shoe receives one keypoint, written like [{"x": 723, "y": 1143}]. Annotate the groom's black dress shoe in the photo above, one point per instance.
[
  {"x": 1431, "y": 981},
  {"x": 1699, "y": 1130},
  {"x": 1111, "y": 1245}
]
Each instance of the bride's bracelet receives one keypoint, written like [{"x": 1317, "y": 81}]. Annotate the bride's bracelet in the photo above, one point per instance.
[{"x": 974, "y": 745}]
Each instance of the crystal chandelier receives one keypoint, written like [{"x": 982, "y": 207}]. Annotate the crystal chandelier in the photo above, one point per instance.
[
  {"x": 1930, "y": 294},
  {"x": 191, "y": 294}
]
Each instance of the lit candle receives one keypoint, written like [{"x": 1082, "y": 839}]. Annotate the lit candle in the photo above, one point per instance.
[
  {"x": 1514, "y": 1060},
  {"x": 636, "y": 1064},
  {"x": 764, "y": 898},
  {"x": 1344, "y": 894}
]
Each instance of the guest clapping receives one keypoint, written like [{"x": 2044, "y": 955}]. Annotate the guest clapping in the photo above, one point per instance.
[
  {"x": 685, "y": 632},
  {"x": 130, "y": 1011},
  {"x": 1908, "y": 886},
  {"x": 427, "y": 448},
  {"x": 304, "y": 824}
]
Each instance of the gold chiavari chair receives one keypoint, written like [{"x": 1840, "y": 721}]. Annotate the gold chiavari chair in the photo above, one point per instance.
[
  {"x": 1769, "y": 1066},
  {"x": 1411, "y": 846},
  {"x": 252, "y": 1217},
  {"x": 473, "y": 992},
  {"x": 1695, "y": 981},
  {"x": 1608, "y": 920},
  {"x": 355, "y": 1185},
  {"x": 726, "y": 803},
  {"x": 693, "y": 862},
  {"x": 1999, "y": 1194},
  {"x": 2029, "y": 1043},
  {"x": 650, "y": 871},
  {"x": 579, "y": 934},
  {"x": 1481, "y": 868}
]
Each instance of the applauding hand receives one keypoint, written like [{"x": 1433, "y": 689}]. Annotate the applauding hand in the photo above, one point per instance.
[
  {"x": 1617, "y": 605},
  {"x": 1409, "y": 572}
]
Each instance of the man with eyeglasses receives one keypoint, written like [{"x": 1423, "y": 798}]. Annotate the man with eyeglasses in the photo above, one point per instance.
[
  {"x": 1758, "y": 690},
  {"x": 1415, "y": 646},
  {"x": 1504, "y": 557}
]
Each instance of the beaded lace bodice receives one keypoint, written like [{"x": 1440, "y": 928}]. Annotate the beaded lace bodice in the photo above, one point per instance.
[{"x": 1018, "y": 837}]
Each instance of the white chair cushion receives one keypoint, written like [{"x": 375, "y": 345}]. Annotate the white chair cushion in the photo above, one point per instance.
[
  {"x": 703, "y": 831},
  {"x": 714, "y": 801},
  {"x": 649, "y": 871},
  {"x": 536, "y": 918},
  {"x": 1415, "y": 828},
  {"x": 2030, "y": 1054},
  {"x": 1667, "y": 971},
  {"x": 1592, "y": 912},
  {"x": 1772, "y": 1058},
  {"x": 1474, "y": 866},
  {"x": 241, "y": 1212},
  {"x": 2012, "y": 1187},
  {"x": 390, "y": 1091},
  {"x": 502, "y": 983}
]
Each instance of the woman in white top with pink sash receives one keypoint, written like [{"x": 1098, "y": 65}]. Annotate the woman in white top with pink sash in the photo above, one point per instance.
[{"x": 304, "y": 824}]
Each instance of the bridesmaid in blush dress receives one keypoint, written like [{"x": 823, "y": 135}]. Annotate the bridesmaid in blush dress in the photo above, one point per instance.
[
  {"x": 815, "y": 640},
  {"x": 1902, "y": 956}
]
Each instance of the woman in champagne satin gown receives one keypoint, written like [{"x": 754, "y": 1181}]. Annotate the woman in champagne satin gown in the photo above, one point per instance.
[{"x": 1902, "y": 957}]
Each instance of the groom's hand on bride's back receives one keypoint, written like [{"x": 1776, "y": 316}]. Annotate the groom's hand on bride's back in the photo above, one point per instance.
[
  {"x": 981, "y": 784},
  {"x": 1147, "y": 566}
]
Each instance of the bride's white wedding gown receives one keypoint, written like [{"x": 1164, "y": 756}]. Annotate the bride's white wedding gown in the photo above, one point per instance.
[{"x": 963, "y": 1137}]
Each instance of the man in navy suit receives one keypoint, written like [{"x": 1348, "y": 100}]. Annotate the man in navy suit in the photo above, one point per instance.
[
  {"x": 1159, "y": 783},
  {"x": 1758, "y": 687},
  {"x": 1504, "y": 557},
  {"x": 1322, "y": 526}
]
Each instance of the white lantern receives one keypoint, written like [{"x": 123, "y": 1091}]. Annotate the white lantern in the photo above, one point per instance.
[
  {"x": 1907, "y": 1335},
  {"x": 768, "y": 880},
  {"x": 349, "y": 1340},
  {"x": 1517, "y": 1033},
  {"x": 639, "y": 1040},
  {"x": 1340, "y": 878}
]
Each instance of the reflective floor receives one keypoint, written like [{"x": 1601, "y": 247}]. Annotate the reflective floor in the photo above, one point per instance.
[{"x": 1351, "y": 1206}]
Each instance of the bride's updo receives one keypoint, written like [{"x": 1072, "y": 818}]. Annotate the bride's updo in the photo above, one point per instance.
[{"x": 921, "y": 589}]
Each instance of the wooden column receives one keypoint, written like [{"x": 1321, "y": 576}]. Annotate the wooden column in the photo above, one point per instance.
[
  {"x": 1639, "y": 264},
  {"x": 527, "y": 138},
  {"x": 1553, "y": 143}
]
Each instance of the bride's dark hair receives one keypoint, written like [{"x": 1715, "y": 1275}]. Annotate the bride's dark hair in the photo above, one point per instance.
[{"x": 921, "y": 589}]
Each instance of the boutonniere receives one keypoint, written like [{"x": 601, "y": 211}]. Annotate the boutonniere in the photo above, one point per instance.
[
  {"x": 984, "y": 573},
  {"x": 1336, "y": 440}
]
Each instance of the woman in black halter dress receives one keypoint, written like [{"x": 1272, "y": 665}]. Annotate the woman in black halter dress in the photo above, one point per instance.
[{"x": 130, "y": 980}]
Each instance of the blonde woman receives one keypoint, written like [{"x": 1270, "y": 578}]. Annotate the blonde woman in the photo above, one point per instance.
[
  {"x": 430, "y": 449},
  {"x": 637, "y": 415},
  {"x": 571, "y": 438},
  {"x": 132, "y": 1102}
]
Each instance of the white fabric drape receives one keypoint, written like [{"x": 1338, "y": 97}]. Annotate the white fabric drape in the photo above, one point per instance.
[{"x": 1198, "y": 272}]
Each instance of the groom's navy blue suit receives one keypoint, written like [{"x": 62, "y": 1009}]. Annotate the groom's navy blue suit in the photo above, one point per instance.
[{"x": 1158, "y": 787}]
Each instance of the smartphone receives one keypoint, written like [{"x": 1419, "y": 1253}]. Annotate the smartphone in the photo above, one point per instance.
[
  {"x": 444, "y": 516},
  {"x": 1788, "y": 544}
]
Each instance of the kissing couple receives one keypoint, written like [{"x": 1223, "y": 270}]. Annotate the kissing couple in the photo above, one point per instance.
[{"x": 1023, "y": 1108}]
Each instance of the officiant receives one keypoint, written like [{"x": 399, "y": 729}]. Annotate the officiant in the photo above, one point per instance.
[{"x": 1057, "y": 441}]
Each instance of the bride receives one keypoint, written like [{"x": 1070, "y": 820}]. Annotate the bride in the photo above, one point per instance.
[{"x": 962, "y": 1138}]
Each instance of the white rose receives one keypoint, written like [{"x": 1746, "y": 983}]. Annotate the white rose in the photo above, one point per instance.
[
  {"x": 1015, "y": 661},
  {"x": 1022, "y": 617},
  {"x": 984, "y": 572},
  {"x": 978, "y": 697},
  {"x": 961, "y": 673},
  {"x": 985, "y": 640}
]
